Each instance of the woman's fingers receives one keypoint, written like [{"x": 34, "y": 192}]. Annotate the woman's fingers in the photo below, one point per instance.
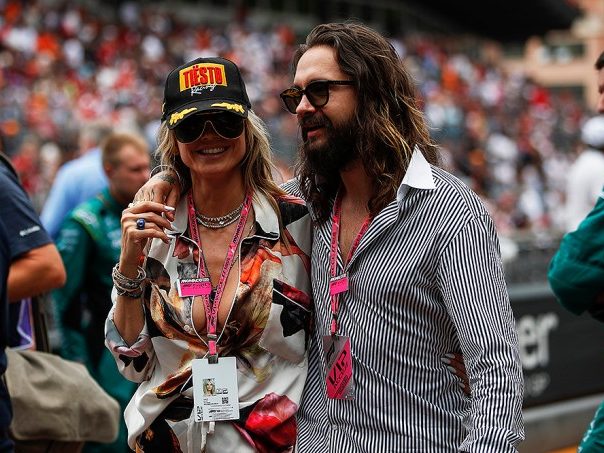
[
  {"x": 150, "y": 211},
  {"x": 140, "y": 222}
]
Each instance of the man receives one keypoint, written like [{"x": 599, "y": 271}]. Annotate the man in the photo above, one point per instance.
[
  {"x": 576, "y": 275},
  {"x": 89, "y": 242},
  {"x": 421, "y": 260},
  {"x": 29, "y": 265},
  {"x": 76, "y": 181},
  {"x": 586, "y": 174},
  {"x": 405, "y": 265}
]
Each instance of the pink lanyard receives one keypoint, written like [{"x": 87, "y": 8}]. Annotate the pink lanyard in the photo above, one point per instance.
[
  {"x": 211, "y": 306},
  {"x": 339, "y": 283}
]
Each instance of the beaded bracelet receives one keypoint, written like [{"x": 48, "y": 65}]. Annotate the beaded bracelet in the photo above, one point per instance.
[{"x": 168, "y": 168}]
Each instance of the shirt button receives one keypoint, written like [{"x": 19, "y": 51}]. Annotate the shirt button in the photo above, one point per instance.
[{"x": 187, "y": 328}]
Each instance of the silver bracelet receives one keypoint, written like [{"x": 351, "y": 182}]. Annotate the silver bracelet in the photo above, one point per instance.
[
  {"x": 167, "y": 168},
  {"x": 136, "y": 294},
  {"x": 123, "y": 283}
]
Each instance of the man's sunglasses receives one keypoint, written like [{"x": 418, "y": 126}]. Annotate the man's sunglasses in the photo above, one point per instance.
[
  {"x": 227, "y": 125},
  {"x": 316, "y": 92}
]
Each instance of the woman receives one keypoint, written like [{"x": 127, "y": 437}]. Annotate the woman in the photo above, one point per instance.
[{"x": 189, "y": 314}]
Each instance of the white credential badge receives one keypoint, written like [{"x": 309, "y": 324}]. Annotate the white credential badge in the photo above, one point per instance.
[{"x": 215, "y": 392}]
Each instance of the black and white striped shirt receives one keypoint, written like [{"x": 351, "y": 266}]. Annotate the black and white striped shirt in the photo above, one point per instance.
[{"x": 425, "y": 280}]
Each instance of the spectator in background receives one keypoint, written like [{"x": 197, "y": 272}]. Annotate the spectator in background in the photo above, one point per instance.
[
  {"x": 576, "y": 275},
  {"x": 76, "y": 181},
  {"x": 89, "y": 242},
  {"x": 29, "y": 265},
  {"x": 586, "y": 174}
]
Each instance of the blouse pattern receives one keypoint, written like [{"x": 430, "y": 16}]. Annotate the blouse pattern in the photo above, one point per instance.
[{"x": 267, "y": 331}]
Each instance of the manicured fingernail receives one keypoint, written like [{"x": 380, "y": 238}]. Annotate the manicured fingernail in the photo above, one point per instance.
[
  {"x": 445, "y": 360},
  {"x": 461, "y": 384},
  {"x": 450, "y": 355},
  {"x": 451, "y": 369},
  {"x": 169, "y": 208}
]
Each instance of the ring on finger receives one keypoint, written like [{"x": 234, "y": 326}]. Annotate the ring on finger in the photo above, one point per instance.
[{"x": 140, "y": 224}]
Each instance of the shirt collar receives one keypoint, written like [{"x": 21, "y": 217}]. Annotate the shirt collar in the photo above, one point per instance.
[
  {"x": 418, "y": 176},
  {"x": 263, "y": 211},
  {"x": 110, "y": 202}
]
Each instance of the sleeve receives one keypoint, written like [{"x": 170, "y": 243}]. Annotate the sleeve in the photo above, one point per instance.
[
  {"x": 474, "y": 292},
  {"x": 74, "y": 245},
  {"x": 56, "y": 206},
  {"x": 22, "y": 224},
  {"x": 576, "y": 273},
  {"x": 136, "y": 361}
]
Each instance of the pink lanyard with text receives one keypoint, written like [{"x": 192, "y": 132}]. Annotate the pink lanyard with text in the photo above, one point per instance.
[
  {"x": 339, "y": 283},
  {"x": 211, "y": 306}
]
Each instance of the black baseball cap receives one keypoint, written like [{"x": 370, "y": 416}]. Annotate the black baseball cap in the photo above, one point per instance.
[{"x": 201, "y": 85}]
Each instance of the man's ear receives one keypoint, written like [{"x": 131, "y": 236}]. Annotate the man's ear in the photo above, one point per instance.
[{"x": 109, "y": 169}]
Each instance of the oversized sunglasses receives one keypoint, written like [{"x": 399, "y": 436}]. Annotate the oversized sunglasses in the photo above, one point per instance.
[
  {"x": 227, "y": 125},
  {"x": 316, "y": 92}
]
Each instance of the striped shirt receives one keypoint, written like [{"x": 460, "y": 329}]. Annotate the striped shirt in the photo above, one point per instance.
[{"x": 425, "y": 280}]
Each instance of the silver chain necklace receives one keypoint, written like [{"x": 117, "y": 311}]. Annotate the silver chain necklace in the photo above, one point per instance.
[{"x": 215, "y": 223}]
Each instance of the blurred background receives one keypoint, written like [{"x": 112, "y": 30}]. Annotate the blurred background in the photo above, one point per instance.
[{"x": 506, "y": 88}]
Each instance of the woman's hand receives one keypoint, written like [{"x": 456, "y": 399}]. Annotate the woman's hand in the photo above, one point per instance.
[
  {"x": 456, "y": 365},
  {"x": 164, "y": 187},
  {"x": 141, "y": 221}
]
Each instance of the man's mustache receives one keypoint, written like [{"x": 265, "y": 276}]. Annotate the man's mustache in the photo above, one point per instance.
[{"x": 316, "y": 120}]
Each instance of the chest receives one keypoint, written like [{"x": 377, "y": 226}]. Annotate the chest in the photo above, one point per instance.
[{"x": 353, "y": 223}]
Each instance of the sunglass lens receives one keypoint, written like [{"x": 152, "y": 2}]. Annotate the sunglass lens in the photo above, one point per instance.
[
  {"x": 317, "y": 93},
  {"x": 291, "y": 98},
  {"x": 189, "y": 130},
  {"x": 227, "y": 125}
]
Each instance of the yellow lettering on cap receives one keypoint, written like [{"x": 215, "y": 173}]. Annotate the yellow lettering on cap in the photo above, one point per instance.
[
  {"x": 202, "y": 74},
  {"x": 177, "y": 116},
  {"x": 226, "y": 105}
]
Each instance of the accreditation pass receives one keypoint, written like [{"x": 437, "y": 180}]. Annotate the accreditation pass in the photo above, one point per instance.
[{"x": 215, "y": 392}]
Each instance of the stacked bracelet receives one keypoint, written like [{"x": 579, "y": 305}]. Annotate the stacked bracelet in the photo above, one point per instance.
[{"x": 129, "y": 287}]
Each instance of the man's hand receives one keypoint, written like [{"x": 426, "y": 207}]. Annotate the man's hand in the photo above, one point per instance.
[
  {"x": 456, "y": 365},
  {"x": 164, "y": 188}
]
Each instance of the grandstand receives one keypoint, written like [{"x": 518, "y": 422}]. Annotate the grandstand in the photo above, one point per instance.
[{"x": 507, "y": 125}]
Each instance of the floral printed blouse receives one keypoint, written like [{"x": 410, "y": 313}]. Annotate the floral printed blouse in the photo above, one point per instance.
[{"x": 266, "y": 331}]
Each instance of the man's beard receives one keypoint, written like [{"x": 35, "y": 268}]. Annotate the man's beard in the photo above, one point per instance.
[{"x": 337, "y": 151}]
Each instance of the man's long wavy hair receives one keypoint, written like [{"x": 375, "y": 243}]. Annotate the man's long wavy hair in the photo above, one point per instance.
[
  {"x": 387, "y": 118},
  {"x": 256, "y": 166}
]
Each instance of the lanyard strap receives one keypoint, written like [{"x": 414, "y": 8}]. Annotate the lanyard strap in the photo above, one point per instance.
[
  {"x": 212, "y": 304},
  {"x": 339, "y": 283}
]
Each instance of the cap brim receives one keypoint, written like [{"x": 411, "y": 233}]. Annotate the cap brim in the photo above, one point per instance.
[{"x": 176, "y": 117}]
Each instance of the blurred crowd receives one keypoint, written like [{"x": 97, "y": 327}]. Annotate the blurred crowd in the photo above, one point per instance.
[{"x": 64, "y": 68}]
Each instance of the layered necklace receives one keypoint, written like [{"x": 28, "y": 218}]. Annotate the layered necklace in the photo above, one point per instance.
[{"x": 215, "y": 223}]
